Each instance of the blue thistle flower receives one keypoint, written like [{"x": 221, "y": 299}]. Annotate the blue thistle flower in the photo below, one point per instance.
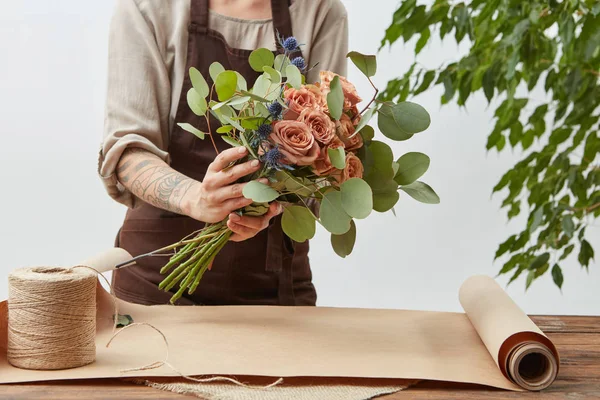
[
  {"x": 264, "y": 131},
  {"x": 273, "y": 159},
  {"x": 299, "y": 63},
  {"x": 275, "y": 109},
  {"x": 290, "y": 44}
]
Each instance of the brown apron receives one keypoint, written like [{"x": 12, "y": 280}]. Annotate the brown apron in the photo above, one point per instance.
[{"x": 268, "y": 269}]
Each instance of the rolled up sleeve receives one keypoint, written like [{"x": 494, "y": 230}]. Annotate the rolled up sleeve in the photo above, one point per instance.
[{"x": 138, "y": 95}]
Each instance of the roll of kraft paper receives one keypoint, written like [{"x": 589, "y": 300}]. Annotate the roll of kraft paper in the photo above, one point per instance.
[
  {"x": 493, "y": 343},
  {"x": 520, "y": 349}
]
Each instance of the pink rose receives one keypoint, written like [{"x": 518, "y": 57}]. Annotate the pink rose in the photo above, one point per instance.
[
  {"x": 322, "y": 165},
  {"x": 321, "y": 126},
  {"x": 295, "y": 142},
  {"x": 353, "y": 169},
  {"x": 347, "y": 132},
  {"x": 351, "y": 97},
  {"x": 297, "y": 100}
]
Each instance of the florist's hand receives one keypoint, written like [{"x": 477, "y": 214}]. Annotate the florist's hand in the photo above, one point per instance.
[
  {"x": 245, "y": 227},
  {"x": 213, "y": 199}
]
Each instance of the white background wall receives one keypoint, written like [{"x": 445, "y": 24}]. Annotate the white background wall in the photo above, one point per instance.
[{"x": 54, "y": 209}]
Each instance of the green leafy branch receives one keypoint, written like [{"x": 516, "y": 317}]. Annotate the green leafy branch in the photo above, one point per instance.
[{"x": 541, "y": 45}]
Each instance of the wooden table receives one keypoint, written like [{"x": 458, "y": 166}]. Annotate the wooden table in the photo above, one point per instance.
[{"x": 577, "y": 340}]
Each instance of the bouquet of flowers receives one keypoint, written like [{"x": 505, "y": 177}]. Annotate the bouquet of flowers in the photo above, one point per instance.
[{"x": 314, "y": 145}]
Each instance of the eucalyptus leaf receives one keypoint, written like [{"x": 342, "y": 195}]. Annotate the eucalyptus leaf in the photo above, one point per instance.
[
  {"x": 337, "y": 156},
  {"x": 367, "y": 133},
  {"x": 196, "y": 102},
  {"x": 226, "y": 85},
  {"x": 401, "y": 121},
  {"x": 294, "y": 77},
  {"x": 231, "y": 141},
  {"x": 366, "y": 117},
  {"x": 421, "y": 192},
  {"x": 241, "y": 84},
  {"x": 332, "y": 215},
  {"x": 199, "y": 83},
  {"x": 367, "y": 64},
  {"x": 385, "y": 196},
  {"x": 298, "y": 223},
  {"x": 281, "y": 62},
  {"x": 259, "y": 192},
  {"x": 411, "y": 166},
  {"x": 189, "y": 128},
  {"x": 224, "y": 129},
  {"x": 260, "y": 58},
  {"x": 357, "y": 198},
  {"x": 344, "y": 244},
  {"x": 335, "y": 98},
  {"x": 274, "y": 75},
  {"x": 215, "y": 69}
]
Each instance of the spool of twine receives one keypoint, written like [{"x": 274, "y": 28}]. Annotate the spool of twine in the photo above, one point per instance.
[{"x": 51, "y": 318}]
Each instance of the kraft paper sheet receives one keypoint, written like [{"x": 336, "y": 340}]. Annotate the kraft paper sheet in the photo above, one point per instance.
[{"x": 484, "y": 345}]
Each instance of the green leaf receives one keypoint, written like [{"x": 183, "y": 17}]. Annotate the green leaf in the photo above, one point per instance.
[
  {"x": 298, "y": 223},
  {"x": 422, "y": 40},
  {"x": 568, "y": 250},
  {"x": 274, "y": 75},
  {"x": 226, "y": 84},
  {"x": 505, "y": 246},
  {"x": 489, "y": 83},
  {"x": 231, "y": 141},
  {"x": 254, "y": 96},
  {"x": 344, "y": 244},
  {"x": 238, "y": 100},
  {"x": 411, "y": 167},
  {"x": 539, "y": 261},
  {"x": 427, "y": 79},
  {"x": 199, "y": 83},
  {"x": 294, "y": 77},
  {"x": 233, "y": 122},
  {"x": 381, "y": 170},
  {"x": 401, "y": 121},
  {"x": 332, "y": 214},
  {"x": 281, "y": 62},
  {"x": 367, "y": 64},
  {"x": 189, "y": 128},
  {"x": 538, "y": 217},
  {"x": 196, "y": 102},
  {"x": 568, "y": 225},
  {"x": 530, "y": 277},
  {"x": 337, "y": 157},
  {"x": 123, "y": 320},
  {"x": 335, "y": 98},
  {"x": 357, "y": 198},
  {"x": 557, "y": 276},
  {"x": 241, "y": 82},
  {"x": 259, "y": 192},
  {"x": 367, "y": 133},
  {"x": 421, "y": 192},
  {"x": 366, "y": 117},
  {"x": 385, "y": 196},
  {"x": 224, "y": 129},
  {"x": 214, "y": 70},
  {"x": 586, "y": 253},
  {"x": 260, "y": 58}
]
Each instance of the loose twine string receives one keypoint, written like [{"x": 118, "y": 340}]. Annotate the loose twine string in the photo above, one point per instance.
[{"x": 52, "y": 323}]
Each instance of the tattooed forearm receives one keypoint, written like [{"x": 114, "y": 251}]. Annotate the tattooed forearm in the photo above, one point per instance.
[{"x": 152, "y": 180}]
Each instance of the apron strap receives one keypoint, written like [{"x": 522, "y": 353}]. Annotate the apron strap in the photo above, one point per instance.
[
  {"x": 279, "y": 258},
  {"x": 282, "y": 21},
  {"x": 199, "y": 16}
]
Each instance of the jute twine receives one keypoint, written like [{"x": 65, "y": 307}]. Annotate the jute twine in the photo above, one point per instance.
[
  {"x": 52, "y": 322},
  {"x": 51, "y": 318}
]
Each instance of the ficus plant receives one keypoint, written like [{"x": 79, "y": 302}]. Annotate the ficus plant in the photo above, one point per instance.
[{"x": 517, "y": 47}]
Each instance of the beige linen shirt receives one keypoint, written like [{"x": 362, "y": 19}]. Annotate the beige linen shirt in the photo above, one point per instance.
[{"x": 147, "y": 57}]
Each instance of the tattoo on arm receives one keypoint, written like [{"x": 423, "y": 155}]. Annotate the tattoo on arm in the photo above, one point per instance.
[{"x": 153, "y": 181}]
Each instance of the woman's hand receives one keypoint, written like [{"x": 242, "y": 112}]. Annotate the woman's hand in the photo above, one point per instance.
[
  {"x": 217, "y": 196},
  {"x": 245, "y": 227}
]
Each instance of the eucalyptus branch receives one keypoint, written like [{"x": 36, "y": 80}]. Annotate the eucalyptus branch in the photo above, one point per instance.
[{"x": 373, "y": 99}]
